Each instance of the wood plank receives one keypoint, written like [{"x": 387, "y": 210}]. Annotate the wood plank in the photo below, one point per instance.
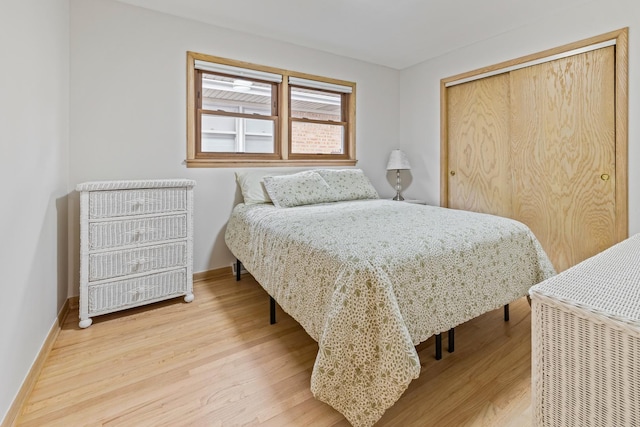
[{"x": 218, "y": 362}]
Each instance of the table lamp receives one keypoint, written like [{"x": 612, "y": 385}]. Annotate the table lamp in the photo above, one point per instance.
[{"x": 398, "y": 161}]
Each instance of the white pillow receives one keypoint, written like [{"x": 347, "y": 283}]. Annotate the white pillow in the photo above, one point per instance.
[
  {"x": 252, "y": 188},
  {"x": 348, "y": 184},
  {"x": 302, "y": 188}
]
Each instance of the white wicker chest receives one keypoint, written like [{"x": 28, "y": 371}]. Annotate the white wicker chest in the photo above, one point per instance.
[
  {"x": 586, "y": 342},
  {"x": 136, "y": 244}
]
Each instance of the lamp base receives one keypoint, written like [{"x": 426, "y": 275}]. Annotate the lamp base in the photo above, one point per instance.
[{"x": 398, "y": 187}]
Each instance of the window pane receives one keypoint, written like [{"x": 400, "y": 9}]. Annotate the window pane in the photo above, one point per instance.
[
  {"x": 218, "y": 143},
  {"x": 236, "y": 95},
  {"x": 256, "y": 144},
  {"x": 315, "y": 104},
  {"x": 218, "y": 134},
  {"x": 260, "y": 127},
  {"x": 258, "y": 136},
  {"x": 224, "y": 134},
  {"x": 316, "y": 138},
  {"x": 218, "y": 124}
]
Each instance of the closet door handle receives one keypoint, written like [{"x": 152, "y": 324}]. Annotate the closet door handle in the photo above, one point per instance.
[
  {"x": 604, "y": 177},
  {"x": 452, "y": 173}
]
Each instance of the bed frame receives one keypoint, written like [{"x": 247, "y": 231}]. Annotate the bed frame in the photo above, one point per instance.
[{"x": 438, "y": 355}]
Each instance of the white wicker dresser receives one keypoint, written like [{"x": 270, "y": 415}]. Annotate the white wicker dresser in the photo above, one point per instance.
[
  {"x": 586, "y": 342},
  {"x": 136, "y": 244}
]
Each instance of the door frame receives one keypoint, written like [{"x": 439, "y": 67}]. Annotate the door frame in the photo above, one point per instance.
[{"x": 621, "y": 59}]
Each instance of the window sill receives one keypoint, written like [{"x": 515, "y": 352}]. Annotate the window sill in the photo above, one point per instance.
[{"x": 244, "y": 163}]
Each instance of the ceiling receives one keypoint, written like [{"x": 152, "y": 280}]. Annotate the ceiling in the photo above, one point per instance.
[{"x": 393, "y": 33}]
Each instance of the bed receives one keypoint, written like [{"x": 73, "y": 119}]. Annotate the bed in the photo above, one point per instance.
[{"x": 369, "y": 279}]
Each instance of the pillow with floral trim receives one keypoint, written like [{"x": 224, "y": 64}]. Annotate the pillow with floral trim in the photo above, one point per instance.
[
  {"x": 302, "y": 188},
  {"x": 348, "y": 184}
]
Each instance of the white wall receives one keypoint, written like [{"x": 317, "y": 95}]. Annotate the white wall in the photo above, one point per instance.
[
  {"x": 420, "y": 86},
  {"x": 128, "y": 107},
  {"x": 34, "y": 85},
  {"x": 116, "y": 91}
]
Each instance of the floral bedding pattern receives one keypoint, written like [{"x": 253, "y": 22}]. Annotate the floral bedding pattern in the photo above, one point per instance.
[{"x": 370, "y": 279}]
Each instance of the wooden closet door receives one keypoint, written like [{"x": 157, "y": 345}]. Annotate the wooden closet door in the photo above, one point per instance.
[
  {"x": 479, "y": 176},
  {"x": 562, "y": 126}
]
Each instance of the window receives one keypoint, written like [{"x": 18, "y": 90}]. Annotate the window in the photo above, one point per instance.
[
  {"x": 319, "y": 123},
  {"x": 232, "y": 122},
  {"x": 242, "y": 114}
]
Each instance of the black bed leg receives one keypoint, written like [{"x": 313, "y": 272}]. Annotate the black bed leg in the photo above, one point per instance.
[
  {"x": 506, "y": 313},
  {"x": 438, "y": 346},
  {"x": 238, "y": 269},
  {"x": 451, "y": 340},
  {"x": 272, "y": 310}
]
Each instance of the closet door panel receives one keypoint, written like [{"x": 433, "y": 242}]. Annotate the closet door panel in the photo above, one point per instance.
[
  {"x": 562, "y": 125},
  {"x": 479, "y": 176}
]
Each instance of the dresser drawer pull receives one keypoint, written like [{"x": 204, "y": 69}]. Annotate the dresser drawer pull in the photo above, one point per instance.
[
  {"x": 135, "y": 202},
  {"x": 140, "y": 291},
  {"x": 140, "y": 231},
  {"x": 142, "y": 201},
  {"x": 136, "y": 264}
]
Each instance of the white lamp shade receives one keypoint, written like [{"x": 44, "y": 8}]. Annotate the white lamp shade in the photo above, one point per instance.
[{"x": 398, "y": 160}]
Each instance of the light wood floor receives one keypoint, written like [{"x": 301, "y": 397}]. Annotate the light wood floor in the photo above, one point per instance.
[{"x": 218, "y": 362}]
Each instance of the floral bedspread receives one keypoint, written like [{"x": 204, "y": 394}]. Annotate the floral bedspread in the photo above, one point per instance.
[{"x": 370, "y": 279}]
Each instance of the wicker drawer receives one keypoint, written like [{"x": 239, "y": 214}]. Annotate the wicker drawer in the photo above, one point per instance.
[
  {"x": 107, "y": 265},
  {"x": 107, "y": 297},
  {"x": 111, "y": 234},
  {"x": 109, "y": 204}
]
